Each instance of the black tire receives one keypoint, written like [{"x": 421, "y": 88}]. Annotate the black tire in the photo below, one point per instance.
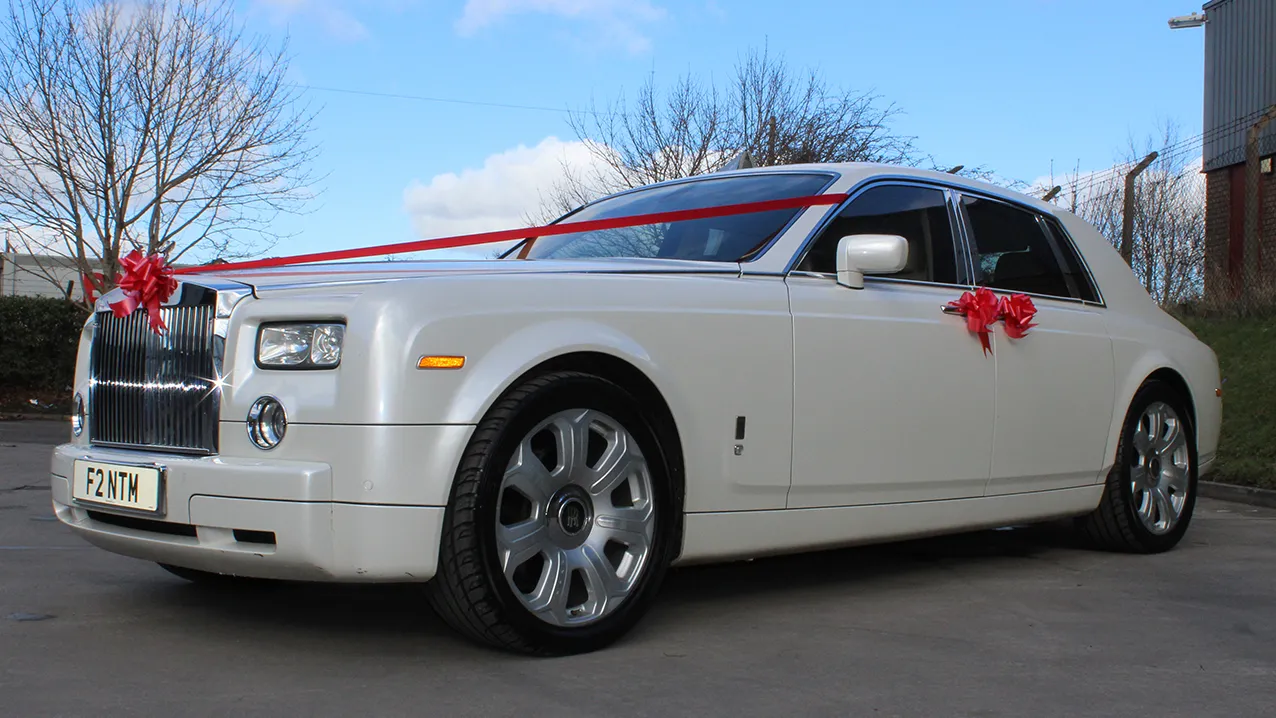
[
  {"x": 1114, "y": 525},
  {"x": 469, "y": 590}
]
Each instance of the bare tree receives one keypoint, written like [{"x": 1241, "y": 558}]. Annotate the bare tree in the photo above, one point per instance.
[
  {"x": 775, "y": 114},
  {"x": 144, "y": 125},
  {"x": 1169, "y": 213}
]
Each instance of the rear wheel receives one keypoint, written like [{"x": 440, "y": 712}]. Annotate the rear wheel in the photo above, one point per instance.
[
  {"x": 559, "y": 528},
  {"x": 1151, "y": 491}
]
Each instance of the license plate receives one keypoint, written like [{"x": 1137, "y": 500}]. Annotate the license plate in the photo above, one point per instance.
[{"x": 124, "y": 486}]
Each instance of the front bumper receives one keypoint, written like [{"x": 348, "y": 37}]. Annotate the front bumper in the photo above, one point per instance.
[
  {"x": 367, "y": 505},
  {"x": 307, "y": 541}
]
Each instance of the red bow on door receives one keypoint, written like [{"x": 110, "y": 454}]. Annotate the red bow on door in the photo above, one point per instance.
[
  {"x": 1017, "y": 312},
  {"x": 982, "y": 309}
]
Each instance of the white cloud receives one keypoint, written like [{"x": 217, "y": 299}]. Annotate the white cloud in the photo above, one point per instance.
[
  {"x": 607, "y": 21},
  {"x": 510, "y": 186},
  {"x": 328, "y": 14}
]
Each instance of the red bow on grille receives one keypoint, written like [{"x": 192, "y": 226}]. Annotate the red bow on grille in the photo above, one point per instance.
[
  {"x": 980, "y": 309},
  {"x": 1017, "y": 311},
  {"x": 147, "y": 283}
]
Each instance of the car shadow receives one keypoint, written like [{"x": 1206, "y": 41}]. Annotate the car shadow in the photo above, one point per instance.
[{"x": 377, "y": 613}]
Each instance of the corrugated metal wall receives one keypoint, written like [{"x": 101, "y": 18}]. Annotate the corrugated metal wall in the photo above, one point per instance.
[{"x": 1240, "y": 77}]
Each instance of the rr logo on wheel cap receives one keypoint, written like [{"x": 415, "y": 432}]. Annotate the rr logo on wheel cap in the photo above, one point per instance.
[{"x": 571, "y": 517}]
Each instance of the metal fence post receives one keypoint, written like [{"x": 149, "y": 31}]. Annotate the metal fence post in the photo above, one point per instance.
[
  {"x": 1250, "y": 274},
  {"x": 1127, "y": 212}
]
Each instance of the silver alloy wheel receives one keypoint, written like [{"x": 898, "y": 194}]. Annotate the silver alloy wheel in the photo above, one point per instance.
[
  {"x": 1162, "y": 463},
  {"x": 575, "y": 517}
]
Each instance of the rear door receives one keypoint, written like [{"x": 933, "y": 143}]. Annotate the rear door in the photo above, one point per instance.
[{"x": 1055, "y": 385}]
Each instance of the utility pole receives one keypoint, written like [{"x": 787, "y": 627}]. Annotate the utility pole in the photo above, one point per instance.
[
  {"x": 770, "y": 154},
  {"x": 1127, "y": 213}
]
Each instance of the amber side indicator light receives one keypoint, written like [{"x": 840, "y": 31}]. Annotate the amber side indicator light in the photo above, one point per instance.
[
  {"x": 1218, "y": 392},
  {"x": 440, "y": 362}
]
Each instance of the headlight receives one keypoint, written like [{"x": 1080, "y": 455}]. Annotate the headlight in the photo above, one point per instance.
[{"x": 300, "y": 346}]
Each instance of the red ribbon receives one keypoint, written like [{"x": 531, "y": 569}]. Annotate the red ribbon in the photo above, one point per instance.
[
  {"x": 981, "y": 309},
  {"x": 1017, "y": 311},
  {"x": 147, "y": 282},
  {"x": 505, "y": 235}
]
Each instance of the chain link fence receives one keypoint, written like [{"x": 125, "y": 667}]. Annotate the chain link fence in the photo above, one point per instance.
[{"x": 1199, "y": 239}]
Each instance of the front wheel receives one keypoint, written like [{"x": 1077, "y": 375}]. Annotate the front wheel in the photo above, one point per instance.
[
  {"x": 559, "y": 528},
  {"x": 1150, "y": 494}
]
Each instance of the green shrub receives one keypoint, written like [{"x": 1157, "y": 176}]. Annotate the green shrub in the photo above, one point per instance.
[{"x": 38, "y": 339}]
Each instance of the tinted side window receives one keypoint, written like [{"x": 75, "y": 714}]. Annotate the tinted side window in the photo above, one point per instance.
[
  {"x": 1073, "y": 269},
  {"x": 917, "y": 214},
  {"x": 1012, "y": 252}
]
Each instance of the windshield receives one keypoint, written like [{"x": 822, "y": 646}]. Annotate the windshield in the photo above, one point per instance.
[{"x": 716, "y": 239}]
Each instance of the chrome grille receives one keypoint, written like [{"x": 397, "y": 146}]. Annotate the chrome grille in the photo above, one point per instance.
[{"x": 155, "y": 392}]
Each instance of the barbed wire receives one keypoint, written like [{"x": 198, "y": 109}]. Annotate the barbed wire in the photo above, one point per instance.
[{"x": 1086, "y": 182}]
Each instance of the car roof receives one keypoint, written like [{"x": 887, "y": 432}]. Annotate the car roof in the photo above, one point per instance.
[{"x": 850, "y": 174}]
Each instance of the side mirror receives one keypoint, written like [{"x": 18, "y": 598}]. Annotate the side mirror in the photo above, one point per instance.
[{"x": 861, "y": 254}]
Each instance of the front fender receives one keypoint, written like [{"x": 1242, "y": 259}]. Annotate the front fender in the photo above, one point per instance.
[{"x": 496, "y": 370}]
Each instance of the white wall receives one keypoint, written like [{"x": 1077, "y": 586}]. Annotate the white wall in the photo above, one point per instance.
[{"x": 21, "y": 275}]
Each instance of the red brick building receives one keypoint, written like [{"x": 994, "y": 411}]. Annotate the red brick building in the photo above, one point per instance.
[{"x": 1240, "y": 87}]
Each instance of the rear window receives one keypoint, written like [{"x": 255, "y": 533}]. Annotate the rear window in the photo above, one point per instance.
[
  {"x": 717, "y": 239},
  {"x": 1074, "y": 270}
]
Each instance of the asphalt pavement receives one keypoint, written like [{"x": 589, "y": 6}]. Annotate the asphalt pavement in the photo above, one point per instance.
[{"x": 1000, "y": 623}]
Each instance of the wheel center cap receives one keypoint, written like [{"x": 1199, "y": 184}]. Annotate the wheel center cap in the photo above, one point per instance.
[
  {"x": 1155, "y": 467},
  {"x": 571, "y": 516}
]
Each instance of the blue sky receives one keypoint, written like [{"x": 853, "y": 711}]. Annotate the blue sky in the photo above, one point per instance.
[{"x": 1009, "y": 84}]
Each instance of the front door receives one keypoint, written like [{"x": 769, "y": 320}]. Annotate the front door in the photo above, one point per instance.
[{"x": 893, "y": 398}]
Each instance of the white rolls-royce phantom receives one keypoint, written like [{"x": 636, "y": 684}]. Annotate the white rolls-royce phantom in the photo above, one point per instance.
[{"x": 537, "y": 438}]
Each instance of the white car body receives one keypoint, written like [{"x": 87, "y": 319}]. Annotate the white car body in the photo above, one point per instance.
[{"x": 871, "y": 414}]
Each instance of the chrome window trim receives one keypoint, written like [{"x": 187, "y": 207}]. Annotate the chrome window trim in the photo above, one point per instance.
[
  {"x": 1038, "y": 215},
  {"x": 824, "y": 276},
  {"x": 961, "y": 236},
  {"x": 957, "y": 229},
  {"x": 1058, "y": 254},
  {"x": 1085, "y": 266},
  {"x": 878, "y": 279}
]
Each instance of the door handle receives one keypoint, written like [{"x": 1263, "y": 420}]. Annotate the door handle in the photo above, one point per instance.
[{"x": 949, "y": 310}]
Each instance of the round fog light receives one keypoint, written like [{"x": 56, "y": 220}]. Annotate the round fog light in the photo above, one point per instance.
[
  {"x": 78, "y": 415},
  {"x": 267, "y": 422}
]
